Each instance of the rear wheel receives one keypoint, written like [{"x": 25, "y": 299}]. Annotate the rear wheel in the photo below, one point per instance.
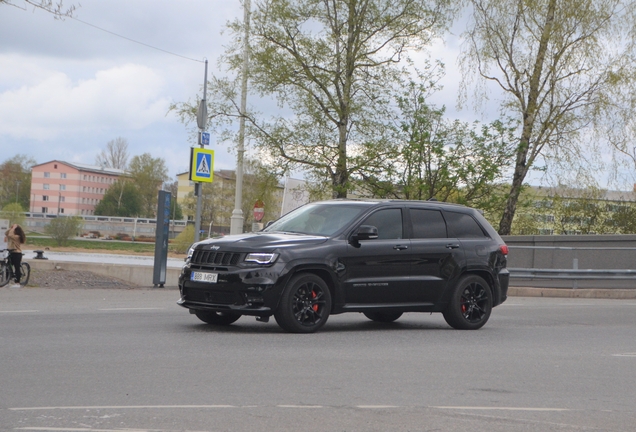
[
  {"x": 470, "y": 305},
  {"x": 384, "y": 317},
  {"x": 304, "y": 305},
  {"x": 217, "y": 318},
  {"x": 25, "y": 269}
]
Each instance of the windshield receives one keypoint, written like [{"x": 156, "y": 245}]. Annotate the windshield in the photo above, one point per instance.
[{"x": 322, "y": 219}]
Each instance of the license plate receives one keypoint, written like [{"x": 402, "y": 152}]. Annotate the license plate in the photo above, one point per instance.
[{"x": 204, "y": 277}]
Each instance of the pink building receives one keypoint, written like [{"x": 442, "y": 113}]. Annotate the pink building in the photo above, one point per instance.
[{"x": 69, "y": 188}]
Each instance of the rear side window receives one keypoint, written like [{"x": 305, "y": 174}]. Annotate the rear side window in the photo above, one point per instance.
[
  {"x": 388, "y": 222},
  {"x": 462, "y": 225},
  {"x": 428, "y": 224}
]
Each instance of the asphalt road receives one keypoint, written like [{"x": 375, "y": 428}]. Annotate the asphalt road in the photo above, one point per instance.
[{"x": 113, "y": 360}]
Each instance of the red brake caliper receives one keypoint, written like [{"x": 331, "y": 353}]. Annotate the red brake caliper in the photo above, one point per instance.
[{"x": 313, "y": 296}]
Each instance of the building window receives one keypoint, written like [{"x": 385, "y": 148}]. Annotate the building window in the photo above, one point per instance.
[
  {"x": 45, "y": 198},
  {"x": 84, "y": 176},
  {"x": 55, "y": 166},
  {"x": 61, "y": 210},
  {"x": 62, "y": 187},
  {"x": 62, "y": 199},
  {"x": 45, "y": 209},
  {"x": 62, "y": 175},
  {"x": 46, "y": 187},
  {"x": 47, "y": 174}
]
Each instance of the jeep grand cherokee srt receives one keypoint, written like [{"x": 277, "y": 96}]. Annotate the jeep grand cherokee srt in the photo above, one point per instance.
[{"x": 380, "y": 258}]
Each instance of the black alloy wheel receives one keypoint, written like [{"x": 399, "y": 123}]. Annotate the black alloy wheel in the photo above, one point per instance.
[
  {"x": 470, "y": 305},
  {"x": 304, "y": 305},
  {"x": 384, "y": 317},
  {"x": 217, "y": 318}
]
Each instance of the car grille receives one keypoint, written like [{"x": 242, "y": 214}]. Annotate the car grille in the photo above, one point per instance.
[{"x": 211, "y": 257}]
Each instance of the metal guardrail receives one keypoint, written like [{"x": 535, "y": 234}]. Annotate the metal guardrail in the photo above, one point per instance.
[{"x": 574, "y": 274}]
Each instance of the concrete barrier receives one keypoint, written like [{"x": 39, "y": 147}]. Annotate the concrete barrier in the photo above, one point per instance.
[{"x": 137, "y": 275}]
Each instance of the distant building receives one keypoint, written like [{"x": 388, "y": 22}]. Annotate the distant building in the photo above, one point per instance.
[{"x": 66, "y": 188}]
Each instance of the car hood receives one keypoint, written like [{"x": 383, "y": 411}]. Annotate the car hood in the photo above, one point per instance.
[{"x": 259, "y": 241}]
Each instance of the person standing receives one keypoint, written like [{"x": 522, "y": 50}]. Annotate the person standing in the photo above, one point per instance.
[{"x": 15, "y": 237}]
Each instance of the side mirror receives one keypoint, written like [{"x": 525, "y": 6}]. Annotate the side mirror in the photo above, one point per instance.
[{"x": 365, "y": 232}]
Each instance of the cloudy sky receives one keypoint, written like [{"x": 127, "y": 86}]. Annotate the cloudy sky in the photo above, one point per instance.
[{"x": 67, "y": 88}]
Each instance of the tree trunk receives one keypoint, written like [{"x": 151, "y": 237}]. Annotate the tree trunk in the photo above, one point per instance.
[{"x": 529, "y": 118}]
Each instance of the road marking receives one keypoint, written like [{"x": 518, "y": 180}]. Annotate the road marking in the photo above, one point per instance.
[
  {"x": 20, "y": 311},
  {"x": 499, "y": 408},
  {"x": 624, "y": 355},
  {"x": 129, "y": 309},
  {"x": 44, "y": 429},
  {"x": 120, "y": 407}
]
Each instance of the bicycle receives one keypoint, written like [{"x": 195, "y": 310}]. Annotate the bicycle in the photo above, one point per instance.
[{"x": 7, "y": 273}]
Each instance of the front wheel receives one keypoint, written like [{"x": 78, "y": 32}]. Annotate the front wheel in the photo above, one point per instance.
[
  {"x": 4, "y": 274},
  {"x": 304, "y": 305},
  {"x": 217, "y": 318},
  {"x": 470, "y": 304}
]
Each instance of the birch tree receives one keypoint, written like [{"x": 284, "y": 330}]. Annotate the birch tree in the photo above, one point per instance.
[{"x": 564, "y": 67}]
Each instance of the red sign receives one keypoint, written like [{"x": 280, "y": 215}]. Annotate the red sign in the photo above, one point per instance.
[{"x": 259, "y": 210}]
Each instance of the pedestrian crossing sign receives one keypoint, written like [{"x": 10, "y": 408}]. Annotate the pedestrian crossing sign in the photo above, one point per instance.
[{"x": 202, "y": 165}]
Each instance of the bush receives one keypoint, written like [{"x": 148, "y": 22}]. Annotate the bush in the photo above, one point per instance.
[
  {"x": 184, "y": 240},
  {"x": 62, "y": 228},
  {"x": 13, "y": 213}
]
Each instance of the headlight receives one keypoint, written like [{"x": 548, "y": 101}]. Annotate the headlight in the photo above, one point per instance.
[
  {"x": 190, "y": 252},
  {"x": 261, "y": 258}
]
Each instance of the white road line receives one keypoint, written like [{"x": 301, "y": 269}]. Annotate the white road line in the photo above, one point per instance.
[
  {"x": 624, "y": 355},
  {"x": 120, "y": 407},
  {"x": 498, "y": 408},
  {"x": 129, "y": 309},
  {"x": 51, "y": 429}
]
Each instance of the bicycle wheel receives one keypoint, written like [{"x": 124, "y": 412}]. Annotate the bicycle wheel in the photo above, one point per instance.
[
  {"x": 26, "y": 273},
  {"x": 4, "y": 274}
]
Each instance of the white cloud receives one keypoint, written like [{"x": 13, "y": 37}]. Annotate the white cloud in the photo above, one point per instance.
[{"x": 127, "y": 96}]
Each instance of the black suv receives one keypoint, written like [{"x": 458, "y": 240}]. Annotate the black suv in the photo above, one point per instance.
[{"x": 381, "y": 258}]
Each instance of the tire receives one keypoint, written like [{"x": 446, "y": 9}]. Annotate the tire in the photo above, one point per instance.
[
  {"x": 384, "y": 317},
  {"x": 25, "y": 269},
  {"x": 217, "y": 318},
  {"x": 304, "y": 305},
  {"x": 470, "y": 305},
  {"x": 4, "y": 274}
]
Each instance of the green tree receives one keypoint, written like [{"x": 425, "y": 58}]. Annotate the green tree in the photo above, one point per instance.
[
  {"x": 176, "y": 212},
  {"x": 121, "y": 199},
  {"x": 63, "y": 227},
  {"x": 332, "y": 64},
  {"x": 435, "y": 157},
  {"x": 564, "y": 66},
  {"x": 115, "y": 155},
  {"x": 14, "y": 213},
  {"x": 15, "y": 180},
  {"x": 148, "y": 174}
]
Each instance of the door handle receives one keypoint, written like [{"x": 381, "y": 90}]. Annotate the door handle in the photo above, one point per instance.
[
  {"x": 452, "y": 246},
  {"x": 400, "y": 247}
]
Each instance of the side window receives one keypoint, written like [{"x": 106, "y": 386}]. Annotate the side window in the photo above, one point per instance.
[
  {"x": 461, "y": 225},
  {"x": 388, "y": 222},
  {"x": 428, "y": 224}
]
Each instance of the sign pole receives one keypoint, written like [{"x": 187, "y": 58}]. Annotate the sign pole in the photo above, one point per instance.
[{"x": 202, "y": 118}]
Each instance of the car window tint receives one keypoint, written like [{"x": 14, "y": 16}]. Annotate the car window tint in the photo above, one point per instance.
[
  {"x": 428, "y": 224},
  {"x": 462, "y": 225},
  {"x": 388, "y": 222}
]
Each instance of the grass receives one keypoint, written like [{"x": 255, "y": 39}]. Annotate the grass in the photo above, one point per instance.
[{"x": 92, "y": 245}]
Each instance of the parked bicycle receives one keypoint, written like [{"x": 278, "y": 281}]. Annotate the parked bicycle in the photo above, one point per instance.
[{"x": 7, "y": 271}]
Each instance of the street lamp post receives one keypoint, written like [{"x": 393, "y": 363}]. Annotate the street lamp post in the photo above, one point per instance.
[{"x": 17, "y": 190}]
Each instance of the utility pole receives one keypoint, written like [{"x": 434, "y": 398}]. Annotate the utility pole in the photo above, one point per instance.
[{"x": 236, "y": 222}]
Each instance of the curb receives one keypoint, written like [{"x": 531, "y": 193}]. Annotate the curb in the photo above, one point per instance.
[{"x": 619, "y": 294}]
